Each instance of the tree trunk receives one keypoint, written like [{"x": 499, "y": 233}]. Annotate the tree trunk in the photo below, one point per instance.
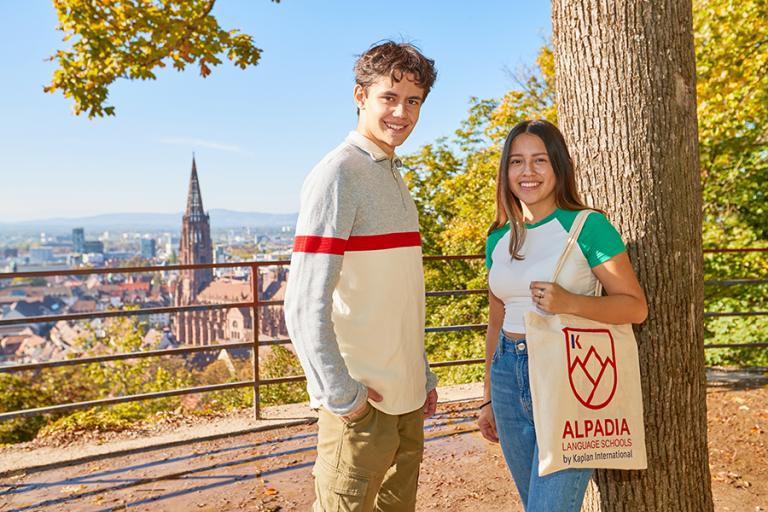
[{"x": 626, "y": 96}]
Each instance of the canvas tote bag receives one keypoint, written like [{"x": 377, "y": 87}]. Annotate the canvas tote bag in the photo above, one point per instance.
[{"x": 585, "y": 388}]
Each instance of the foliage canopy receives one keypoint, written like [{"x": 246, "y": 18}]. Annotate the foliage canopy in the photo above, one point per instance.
[
  {"x": 453, "y": 181},
  {"x": 113, "y": 39}
]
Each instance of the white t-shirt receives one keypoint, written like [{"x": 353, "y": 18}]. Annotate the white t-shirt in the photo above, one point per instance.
[{"x": 510, "y": 279}]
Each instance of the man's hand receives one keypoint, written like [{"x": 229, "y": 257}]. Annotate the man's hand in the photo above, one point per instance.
[
  {"x": 430, "y": 404},
  {"x": 360, "y": 411},
  {"x": 487, "y": 424}
]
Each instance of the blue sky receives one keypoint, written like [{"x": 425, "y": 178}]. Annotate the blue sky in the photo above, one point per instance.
[{"x": 255, "y": 133}]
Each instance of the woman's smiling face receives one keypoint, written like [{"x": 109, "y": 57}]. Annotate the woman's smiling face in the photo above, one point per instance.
[{"x": 531, "y": 176}]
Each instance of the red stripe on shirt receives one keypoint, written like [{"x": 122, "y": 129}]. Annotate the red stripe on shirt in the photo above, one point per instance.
[
  {"x": 329, "y": 245},
  {"x": 388, "y": 241},
  {"x": 319, "y": 244}
]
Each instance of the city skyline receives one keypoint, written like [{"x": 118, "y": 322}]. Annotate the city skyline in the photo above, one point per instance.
[
  {"x": 224, "y": 219},
  {"x": 42, "y": 341},
  {"x": 147, "y": 222},
  {"x": 256, "y": 133},
  {"x": 153, "y": 221},
  {"x": 71, "y": 244}
]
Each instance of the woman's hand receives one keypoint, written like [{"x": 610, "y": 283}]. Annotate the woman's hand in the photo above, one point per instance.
[
  {"x": 551, "y": 297},
  {"x": 623, "y": 302},
  {"x": 487, "y": 424}
]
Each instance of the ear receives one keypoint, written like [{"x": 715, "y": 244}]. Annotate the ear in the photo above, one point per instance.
[{"x": 360, "y": 96}]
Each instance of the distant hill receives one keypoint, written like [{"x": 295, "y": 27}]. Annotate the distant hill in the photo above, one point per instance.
[{"x": 220, "y": 219}]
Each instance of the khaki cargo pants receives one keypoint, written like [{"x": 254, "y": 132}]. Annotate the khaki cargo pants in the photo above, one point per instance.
[{"x": 370, "y": 464}]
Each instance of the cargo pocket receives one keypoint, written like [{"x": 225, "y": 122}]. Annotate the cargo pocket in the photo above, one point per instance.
[
  {"x": 350, "y": 493},
  {"x": 338, "y": 491}
]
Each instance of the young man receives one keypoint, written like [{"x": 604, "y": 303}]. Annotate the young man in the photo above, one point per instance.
[{"x": 355, "y": 299}]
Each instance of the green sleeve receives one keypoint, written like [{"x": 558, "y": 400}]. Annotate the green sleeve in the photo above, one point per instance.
[
  {"x": 599, "y": 240},
  {"x": 490, "y": 243}
]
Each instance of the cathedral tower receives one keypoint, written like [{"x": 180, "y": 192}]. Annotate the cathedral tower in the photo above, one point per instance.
[{"x": 195, "y": 246}]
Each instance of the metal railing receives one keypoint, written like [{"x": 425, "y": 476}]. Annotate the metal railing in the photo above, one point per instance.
[
  {"x": 254, "y": 304},
  {"x": 736, "y": 282}
]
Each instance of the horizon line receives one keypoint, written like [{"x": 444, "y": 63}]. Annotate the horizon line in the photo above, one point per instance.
[{"x": 96, "y": 215}]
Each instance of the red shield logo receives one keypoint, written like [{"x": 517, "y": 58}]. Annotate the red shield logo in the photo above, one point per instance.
[{"x": 591, "y": 365}]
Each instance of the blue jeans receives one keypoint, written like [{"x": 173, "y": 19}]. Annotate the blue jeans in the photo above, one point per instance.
[{"x": 562, "y": 491}]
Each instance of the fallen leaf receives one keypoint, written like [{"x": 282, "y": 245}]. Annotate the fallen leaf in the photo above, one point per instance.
[{"x": 71, "y": 489}]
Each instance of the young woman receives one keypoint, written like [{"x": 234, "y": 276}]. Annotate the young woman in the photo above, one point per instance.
[{"x": 536, "y": 204}]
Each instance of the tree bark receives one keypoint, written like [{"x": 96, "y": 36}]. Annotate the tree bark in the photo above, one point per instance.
[{"x": 626, "y": 96}]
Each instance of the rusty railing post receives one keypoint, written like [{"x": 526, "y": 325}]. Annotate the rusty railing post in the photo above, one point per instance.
[{"x": 256, "y": 329}]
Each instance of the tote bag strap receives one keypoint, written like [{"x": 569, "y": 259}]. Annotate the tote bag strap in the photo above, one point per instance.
[{"x": 573, "y": 236}]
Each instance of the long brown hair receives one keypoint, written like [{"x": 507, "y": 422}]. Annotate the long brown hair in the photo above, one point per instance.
[{"x": 508, "y": 208}]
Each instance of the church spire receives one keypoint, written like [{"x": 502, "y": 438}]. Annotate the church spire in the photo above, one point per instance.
[
  {"x": 195, "y": 246},
  {"x": 194, "y": 209}
]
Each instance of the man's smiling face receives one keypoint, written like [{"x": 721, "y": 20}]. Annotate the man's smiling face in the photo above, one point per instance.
[{"x": 389, "y": 110}]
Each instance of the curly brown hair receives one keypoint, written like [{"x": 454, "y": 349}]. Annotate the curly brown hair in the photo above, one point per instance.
[{"x": 395, "y": 60}]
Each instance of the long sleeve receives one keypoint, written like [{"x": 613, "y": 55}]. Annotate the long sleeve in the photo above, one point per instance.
[{"x": 326, "y": 218}]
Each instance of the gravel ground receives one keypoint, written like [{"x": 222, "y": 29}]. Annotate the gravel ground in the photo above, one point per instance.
[{"x": 270, "y": 471}]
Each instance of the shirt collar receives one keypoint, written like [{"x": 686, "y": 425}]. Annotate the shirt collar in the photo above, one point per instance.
[{"x": 359, "y": 140}]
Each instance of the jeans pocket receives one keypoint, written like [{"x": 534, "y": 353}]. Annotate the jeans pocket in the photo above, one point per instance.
[{"x": 495, "y": 356}]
